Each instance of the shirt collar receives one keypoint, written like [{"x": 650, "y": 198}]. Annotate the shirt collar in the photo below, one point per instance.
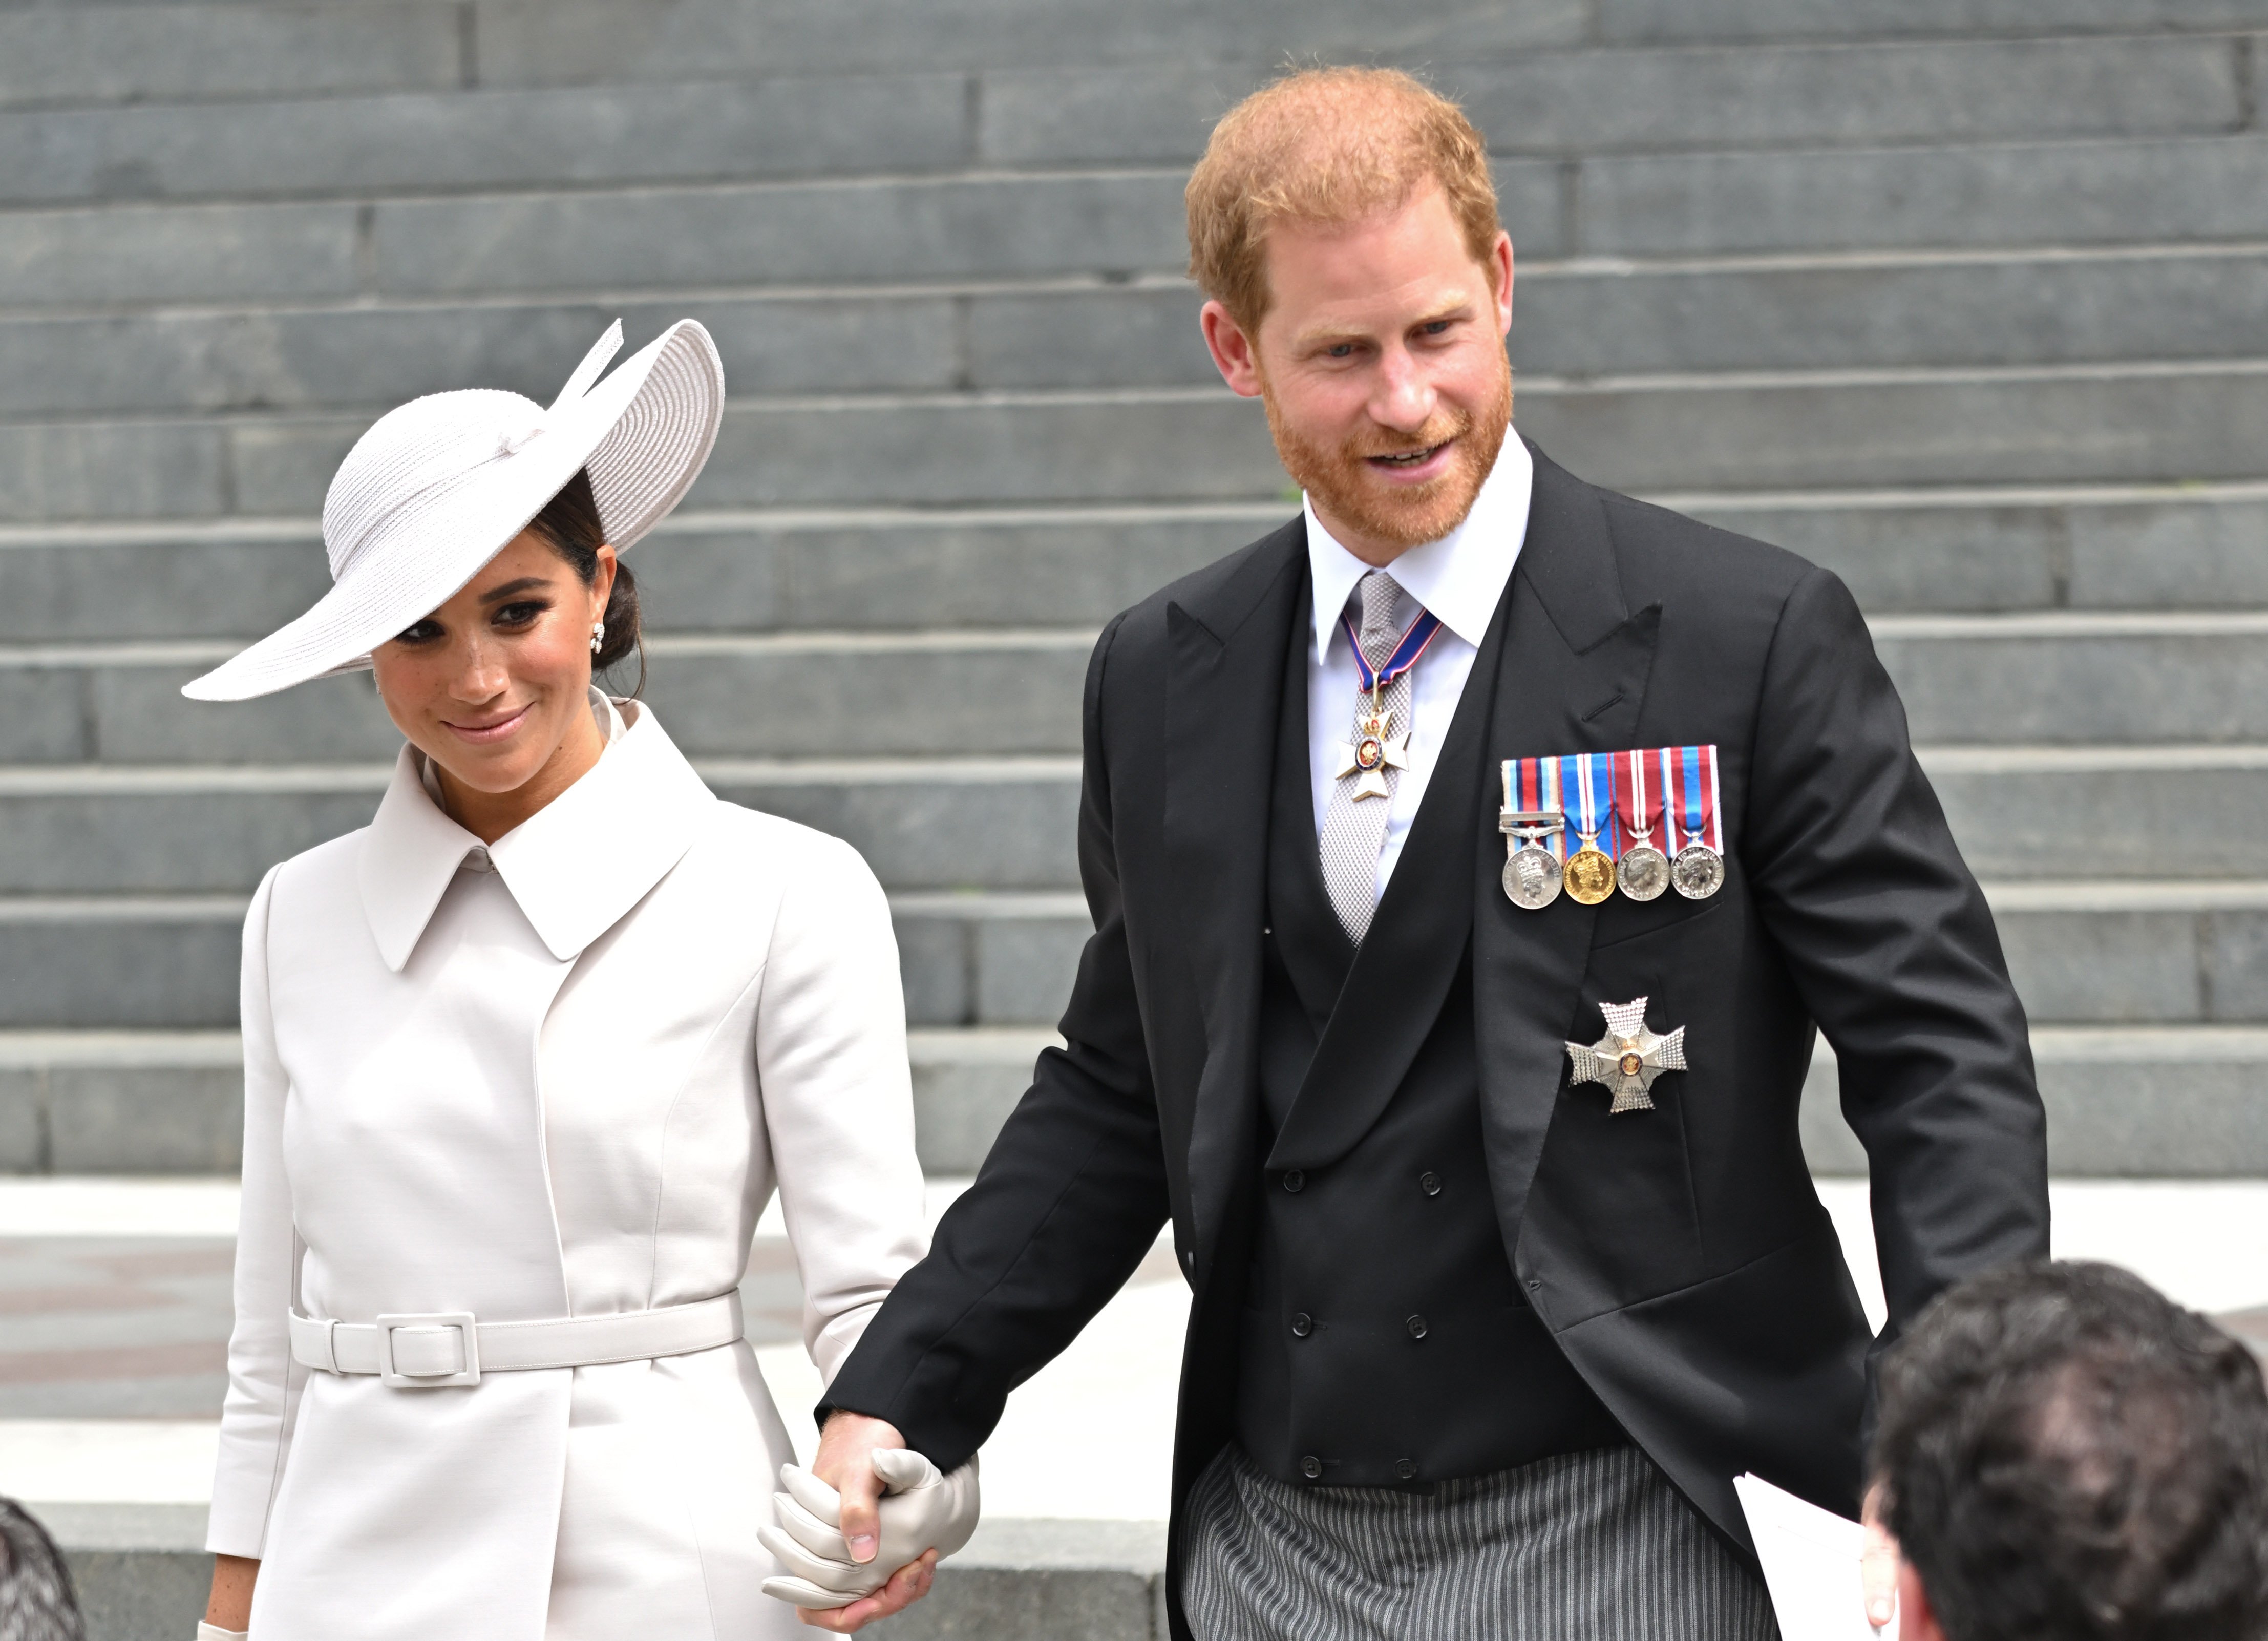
[
  {"x": 1461, "y": 578},
  {"x": 574, "y": 867}
]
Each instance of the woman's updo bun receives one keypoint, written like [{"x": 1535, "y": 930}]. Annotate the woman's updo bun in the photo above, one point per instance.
[{"x": 569, "y": 522}]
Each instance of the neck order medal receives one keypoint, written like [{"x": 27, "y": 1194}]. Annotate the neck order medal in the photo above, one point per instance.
[{"x": 1374, "y": 747}]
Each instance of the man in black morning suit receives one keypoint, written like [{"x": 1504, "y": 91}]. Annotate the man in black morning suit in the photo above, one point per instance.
[{"x": 1469, "y": 1354}]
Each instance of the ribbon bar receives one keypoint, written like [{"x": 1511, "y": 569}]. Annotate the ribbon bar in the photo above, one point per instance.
[{"x": 1668, "y": 795}]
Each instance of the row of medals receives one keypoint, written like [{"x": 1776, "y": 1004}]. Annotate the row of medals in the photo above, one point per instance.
[{"x": 1534, "y": 876}]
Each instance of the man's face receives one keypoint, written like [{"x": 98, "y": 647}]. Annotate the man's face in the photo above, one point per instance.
[{"x": 1382, "y": 367}]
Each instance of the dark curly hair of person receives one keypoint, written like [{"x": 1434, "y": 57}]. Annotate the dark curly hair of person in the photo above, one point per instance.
[
  {"x": 2068, "y": 1455},
  {"x": 36, "y": 1601}
]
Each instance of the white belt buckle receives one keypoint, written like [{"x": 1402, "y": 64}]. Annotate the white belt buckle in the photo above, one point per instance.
[{"x": 468, "y": 1335}]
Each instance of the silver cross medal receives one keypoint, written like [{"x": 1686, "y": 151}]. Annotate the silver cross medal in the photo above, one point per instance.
[
  {"x": 1371, "y": 751},
  {"x": 1629, "y": 1057}
]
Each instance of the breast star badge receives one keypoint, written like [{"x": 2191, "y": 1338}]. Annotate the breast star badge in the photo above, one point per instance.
[
  {"x": 1629, "y": 1057},
  {"x": 1371, "y": 751}
]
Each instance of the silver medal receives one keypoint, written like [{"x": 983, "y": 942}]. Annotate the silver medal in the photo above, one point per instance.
[
  {"x": 1643, "y": 872},
  {"x": 1533, "y": 876},
  {"x": 1697, "y": 872}
]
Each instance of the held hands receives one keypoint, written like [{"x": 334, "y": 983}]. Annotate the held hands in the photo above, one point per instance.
[{"x": 859, "y": 1554}]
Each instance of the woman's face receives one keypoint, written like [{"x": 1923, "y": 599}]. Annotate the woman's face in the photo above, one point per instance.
[{"x": 494, "y": 685}]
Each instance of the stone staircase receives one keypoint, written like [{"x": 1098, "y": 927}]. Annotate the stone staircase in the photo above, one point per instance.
[{"x": 1967, "y": 299}]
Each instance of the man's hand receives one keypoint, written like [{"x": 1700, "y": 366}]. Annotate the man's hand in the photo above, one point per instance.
[
  {"x": 846, "y": 1463},
  {"x": 1878, "y": 1563},
  {"x": 906, "y": 1586}
]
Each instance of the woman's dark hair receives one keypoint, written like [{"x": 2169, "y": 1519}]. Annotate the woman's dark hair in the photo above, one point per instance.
[{"x": 569, "y": 522}]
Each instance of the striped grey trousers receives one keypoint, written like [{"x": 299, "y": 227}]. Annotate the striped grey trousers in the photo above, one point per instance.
[{"x": 1584, "y": 1547}]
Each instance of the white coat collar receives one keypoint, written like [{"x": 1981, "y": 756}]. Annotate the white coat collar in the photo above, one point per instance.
[
  {"x": 574, "y": 867},
  {"x": 1461, "y": 578}
]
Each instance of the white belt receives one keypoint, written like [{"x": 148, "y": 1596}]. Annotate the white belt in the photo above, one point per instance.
[{"x": 453, "y": 1348}]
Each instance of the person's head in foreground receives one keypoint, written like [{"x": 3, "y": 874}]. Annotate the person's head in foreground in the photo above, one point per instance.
[
  {"x": 35, "y": 1589},
  {"x": 2067, "y": 1455},
  {"x": 474, "y": 539},
  {"x": 1342, "y": 225}
]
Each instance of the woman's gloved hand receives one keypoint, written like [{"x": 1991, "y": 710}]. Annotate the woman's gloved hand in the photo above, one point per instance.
[
  {"x": 923, "y": 1510},
  {"x": 214, "y": 1632}
]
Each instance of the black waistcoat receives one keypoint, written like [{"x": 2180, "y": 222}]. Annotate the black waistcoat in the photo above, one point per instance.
[{"x": 1385, "y": 1340}]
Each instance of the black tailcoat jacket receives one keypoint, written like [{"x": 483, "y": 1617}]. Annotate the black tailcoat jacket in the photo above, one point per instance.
[{"x": 1680, "y": 1258}]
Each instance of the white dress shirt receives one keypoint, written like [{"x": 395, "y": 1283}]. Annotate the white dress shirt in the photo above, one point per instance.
[{"x": 1460, "y": 578}]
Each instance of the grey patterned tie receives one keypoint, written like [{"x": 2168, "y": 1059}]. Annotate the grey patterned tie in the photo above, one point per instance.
[{"x": 1354, "y": 828}]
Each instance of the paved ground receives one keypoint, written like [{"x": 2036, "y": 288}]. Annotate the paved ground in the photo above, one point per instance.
[{"x": 112, "y": 1346}]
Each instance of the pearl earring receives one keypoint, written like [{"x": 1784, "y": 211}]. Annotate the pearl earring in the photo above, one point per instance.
[{"x": 598, "y": 636}]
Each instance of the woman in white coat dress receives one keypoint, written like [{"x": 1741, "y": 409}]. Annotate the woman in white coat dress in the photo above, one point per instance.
[{"x": 524, "y": 1058}]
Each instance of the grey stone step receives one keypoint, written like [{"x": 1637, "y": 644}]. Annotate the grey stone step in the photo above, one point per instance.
[
  {"x": 1580, "y": 318},
  {"x": 2076, "y": 678},
  {"x": 2084, "y": 547},
  {"x": 140, "y": 1568},
  {"x": 1764, "y": 431},
  {"x": 2079, "y": 193},
  {"x": 430, "y": 141},
  {"x": 1555, "y": 103},
  {"x": 142, "y": 1102},
  {"x": 795, "y": 694},
  {"x": 988, "y": 224},
  {"x": 2091, "y": 952},
  {"x": 170, "y": 961},
  {"x": 589, "y": 42},
  {"x": 65, "y": 54},
  {"x": 2127, "y": 1102},
  {"x": 1572, "y": 103},
  {"x": 939, "y": 823},
  {"x": 2132, "y": 1103},
  {"x": 1780, "y": 19},
  {"x": 1006, "y": 822}
]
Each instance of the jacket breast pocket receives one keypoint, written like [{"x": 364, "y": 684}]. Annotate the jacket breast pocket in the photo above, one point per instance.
[{"x": 1614, "y": 1189}]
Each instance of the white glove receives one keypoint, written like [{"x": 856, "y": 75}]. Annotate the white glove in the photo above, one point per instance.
[
  {"x": 923, "y": 1510},
  {"x": 214, "y": 1632}
]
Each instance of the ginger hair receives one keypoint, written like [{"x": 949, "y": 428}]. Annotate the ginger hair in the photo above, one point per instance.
[{"x": 1327, "y": 146}]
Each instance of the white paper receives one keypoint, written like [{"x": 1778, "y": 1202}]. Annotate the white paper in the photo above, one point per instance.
[{"x": 1811, "y": 1565}]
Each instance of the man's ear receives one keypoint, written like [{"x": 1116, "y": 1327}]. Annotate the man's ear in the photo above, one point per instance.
[
  {"x": 1916, "y": 1619},
  {"x": 1499, "y": 268},
  {"x": 1234, "y": 353}
]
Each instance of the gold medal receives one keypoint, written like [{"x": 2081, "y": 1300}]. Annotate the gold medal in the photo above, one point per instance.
[{"x": 1589, "y": 873}]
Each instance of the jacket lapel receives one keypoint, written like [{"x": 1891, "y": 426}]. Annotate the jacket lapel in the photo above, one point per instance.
[
  {"x": 1404, "y": 966},
  {"x": 1573, "y": 677},
  {"x": 1223, "y": 694}
]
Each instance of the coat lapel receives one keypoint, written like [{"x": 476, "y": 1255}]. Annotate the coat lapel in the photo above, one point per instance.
[
  {"x": 1573, "y": 677},
  {"x": 1404, "y": 966},
  {"x": 1223, "y": 694}
]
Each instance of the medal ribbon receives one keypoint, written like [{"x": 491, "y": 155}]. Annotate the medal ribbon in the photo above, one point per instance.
[
  {"x": 1637, "y": 814},
  {"x": 1411, "y": 644},
  {"x": 1599, "y": 802},
  {"x": 1546, "y": 796},
  {"x": 1699, "y": 771}
]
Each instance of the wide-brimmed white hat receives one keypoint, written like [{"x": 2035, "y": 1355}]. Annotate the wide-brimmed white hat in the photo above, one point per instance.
[{"x": 437, "y": 488}]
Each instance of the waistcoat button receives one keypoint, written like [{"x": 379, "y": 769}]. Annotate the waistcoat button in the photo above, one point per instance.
[
  {"x": 1406, "y": 1469},
  {"x": 1429, "y": 1183},
  {"x": 1294, "y": 1180},
  {"x": 1302, "y": 1325},
  {"x": 1311, "y": 1466},
  {"x": 1417, "y": 1328}
]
